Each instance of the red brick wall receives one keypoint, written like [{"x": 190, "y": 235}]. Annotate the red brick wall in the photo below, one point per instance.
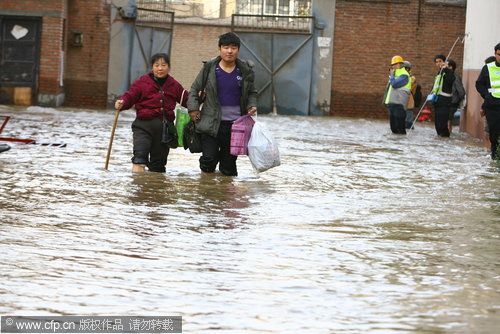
[
  {"x": 50, "y": 56},
  {"x": 86, "y": 71},
  {"x": 369, "y": 33}
]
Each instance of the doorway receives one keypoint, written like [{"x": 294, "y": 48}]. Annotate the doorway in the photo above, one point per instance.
[{"x": 19, "y": 59}]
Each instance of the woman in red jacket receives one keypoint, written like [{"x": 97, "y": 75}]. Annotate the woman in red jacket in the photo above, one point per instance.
[{"x": 154, "y": 96}]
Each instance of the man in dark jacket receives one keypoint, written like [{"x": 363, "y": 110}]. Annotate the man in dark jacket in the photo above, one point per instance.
[
  {"x": 442, "y": 93},
  {"x": 228, "y": 84},
  {"x": 488, "y": 85}
]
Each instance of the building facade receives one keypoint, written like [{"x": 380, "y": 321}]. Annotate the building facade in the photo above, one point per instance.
[
  {"x": 482, "y": 28},
  {"x": 75, "y": 55},
  {"x": 54, "y": 52}
]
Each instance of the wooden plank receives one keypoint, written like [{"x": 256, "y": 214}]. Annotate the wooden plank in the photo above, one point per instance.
[{"x": 22, "y": 96}]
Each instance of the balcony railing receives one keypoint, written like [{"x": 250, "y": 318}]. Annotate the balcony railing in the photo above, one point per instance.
[{"x": 272, "y": 23}]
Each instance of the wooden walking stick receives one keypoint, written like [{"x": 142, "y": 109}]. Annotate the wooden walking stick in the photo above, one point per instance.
[{"x": 111, "y": 139}]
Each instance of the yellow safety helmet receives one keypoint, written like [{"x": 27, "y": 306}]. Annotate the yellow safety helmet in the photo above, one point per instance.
[{"x": 396, "y": 59}]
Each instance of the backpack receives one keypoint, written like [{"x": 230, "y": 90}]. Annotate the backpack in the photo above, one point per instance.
[
  {"x": 458, "y": 92},
  {"x": 417, "y": 97}
]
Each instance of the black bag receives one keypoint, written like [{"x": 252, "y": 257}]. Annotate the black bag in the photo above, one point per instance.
[
  {"x": 457, "y": 91},
  {"x": 192, "y": 140},
  {"x": 169, "y": 134},
  {"x": 417, "y": 98}
]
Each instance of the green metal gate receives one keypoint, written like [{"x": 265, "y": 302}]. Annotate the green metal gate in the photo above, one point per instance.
[
  {"x": 152, "y": 34},
  {"x": 282, "y": 49}
]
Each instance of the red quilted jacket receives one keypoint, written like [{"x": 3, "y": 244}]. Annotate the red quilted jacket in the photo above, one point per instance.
[{"x": 148, "y": 99}]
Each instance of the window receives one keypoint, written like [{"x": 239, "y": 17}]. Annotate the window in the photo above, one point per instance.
[{"x": 274, "y": 7}]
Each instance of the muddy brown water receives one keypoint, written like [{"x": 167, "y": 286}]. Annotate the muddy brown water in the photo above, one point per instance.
[{"x": 358, "y": 231}]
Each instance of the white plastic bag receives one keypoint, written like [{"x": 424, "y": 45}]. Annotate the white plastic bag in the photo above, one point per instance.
[{"x": 263, "y": 149}]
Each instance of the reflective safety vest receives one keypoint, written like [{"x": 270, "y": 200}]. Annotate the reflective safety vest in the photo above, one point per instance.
[
  {"x": 392, "y": 99},
  {"x": 438, "y": 85},
  {"x": 494, "y": 72}
]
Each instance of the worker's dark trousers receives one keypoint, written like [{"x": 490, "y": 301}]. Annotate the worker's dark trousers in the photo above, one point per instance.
[
  {"x": 397, "y": 118},
  {"x": 493, "y": 119},
  {"x": 441, "y": 117}
]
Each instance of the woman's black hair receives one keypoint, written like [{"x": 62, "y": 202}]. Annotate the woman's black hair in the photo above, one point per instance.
[
  {"x": 229, "y": 38},
  {"x": 163, "y": 56}
]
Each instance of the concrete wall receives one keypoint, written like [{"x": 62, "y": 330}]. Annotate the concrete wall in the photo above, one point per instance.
[
  {"x": 324, "y": 13},
  {"x": 482, "y": 27},
  {"x": 119, "y": 61}
]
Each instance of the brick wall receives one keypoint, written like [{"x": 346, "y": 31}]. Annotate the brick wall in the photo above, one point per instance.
[
  {"x": 369, "y": 33},
  {"x": 191, "y": 45},
  {"x": 86, "y": 71},
  {"x": 51, "y": 56}
]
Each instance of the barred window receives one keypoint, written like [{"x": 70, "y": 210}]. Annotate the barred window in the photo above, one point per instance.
[{"x": 274, "y": 7}]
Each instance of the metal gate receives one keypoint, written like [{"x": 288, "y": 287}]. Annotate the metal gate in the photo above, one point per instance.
[
  {"x": 152, "y": 34},
  {"x": 282, "y": 49},
  {"x": 19, "y": 54}
]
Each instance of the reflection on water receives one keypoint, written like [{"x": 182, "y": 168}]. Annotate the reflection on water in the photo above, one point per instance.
[{"x": 358, "y": 231}]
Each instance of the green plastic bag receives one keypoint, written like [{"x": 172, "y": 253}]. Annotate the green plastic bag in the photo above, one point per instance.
[{"x": 181, "y": 119}]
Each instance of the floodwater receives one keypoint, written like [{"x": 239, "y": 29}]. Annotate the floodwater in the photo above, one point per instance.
[{"x": 358, "y": 231}]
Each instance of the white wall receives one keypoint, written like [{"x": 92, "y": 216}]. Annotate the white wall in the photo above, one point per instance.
[{"x": 483, "y": 28}]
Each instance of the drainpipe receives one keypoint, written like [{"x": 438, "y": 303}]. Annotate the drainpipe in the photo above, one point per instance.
[{"x": 321, "y": 80}]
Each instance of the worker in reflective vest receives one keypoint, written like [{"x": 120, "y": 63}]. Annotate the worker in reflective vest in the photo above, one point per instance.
[
  {"x": 442, "y": 92},
  {"x": 488, "y": 85},
  {"x": 397, "y": 95}
]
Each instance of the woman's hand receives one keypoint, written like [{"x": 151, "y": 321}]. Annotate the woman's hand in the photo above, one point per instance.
[
  {"x": 119, "y": 105},
  {"x": 252, "y": 111},
  {"x": 194, "y": 115}
]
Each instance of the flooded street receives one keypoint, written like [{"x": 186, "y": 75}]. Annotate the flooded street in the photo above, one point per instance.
[{"x": 358, "y": 231}]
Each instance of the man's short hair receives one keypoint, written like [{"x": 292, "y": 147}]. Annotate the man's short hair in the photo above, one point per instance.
[
  {"x": 229, "y": 38},
  {"x": 440, "y": 56},
  {"x": 497, "y": 47}
]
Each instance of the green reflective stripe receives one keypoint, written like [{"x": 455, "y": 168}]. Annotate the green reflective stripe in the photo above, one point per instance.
[
  {"x": 387, "y": 96},
  {"x": 398, "y": 72},
  {"x": 403, "y": 71},
  {"x": 438, "y": 84},
  {"x": 494, "y": 72}
]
